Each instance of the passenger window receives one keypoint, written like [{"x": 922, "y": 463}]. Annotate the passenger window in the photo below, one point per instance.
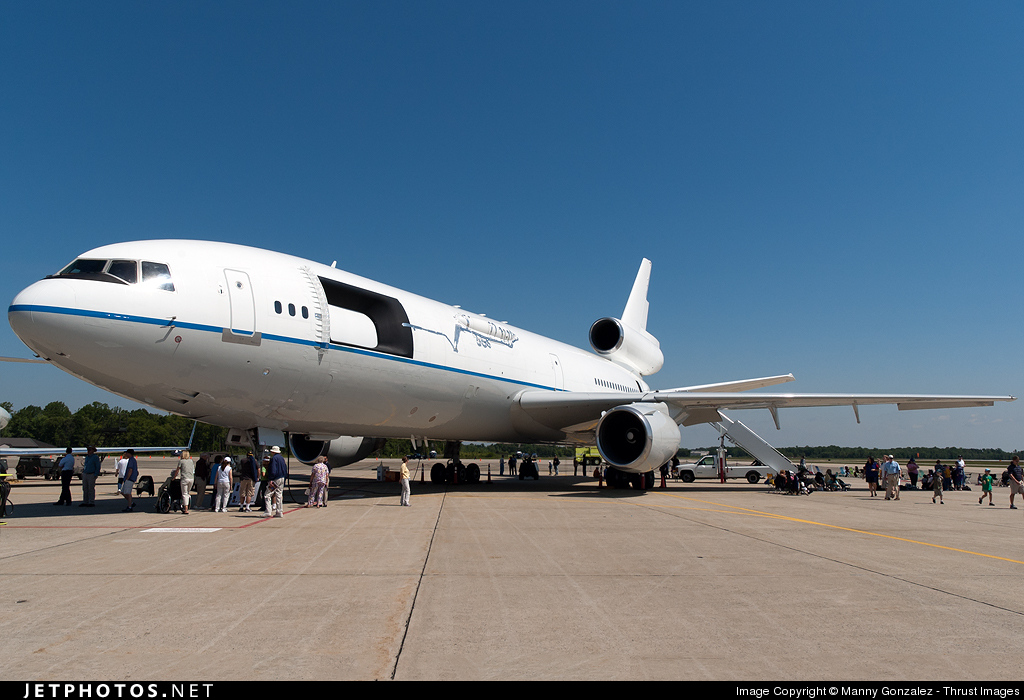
[
  {"x": 126, "y": 270},
  {"x": 277, "y": 306},
  {"x": 291, "y": 309},
  {"x": 305, "y": 312},
  {"x": 157, "y": 275}
]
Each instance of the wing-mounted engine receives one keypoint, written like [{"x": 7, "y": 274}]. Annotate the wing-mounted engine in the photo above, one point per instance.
[
  {"x": 635, "y": 349},
  {"x": 637, "y": 437},
  {"x": 340, "y": 451}
]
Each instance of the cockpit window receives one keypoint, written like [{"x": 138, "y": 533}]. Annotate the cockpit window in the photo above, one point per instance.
[
  {"x": 157, "y": 275},
  {"x": 83, "y": 266},
  {"x": 127, "y": 270}
]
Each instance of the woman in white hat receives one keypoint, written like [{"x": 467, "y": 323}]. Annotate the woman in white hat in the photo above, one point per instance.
[{"x": 223, "y": 486}]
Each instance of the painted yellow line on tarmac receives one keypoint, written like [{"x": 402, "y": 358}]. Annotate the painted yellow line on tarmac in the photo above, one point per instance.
[{"x": 763, "y": 514}]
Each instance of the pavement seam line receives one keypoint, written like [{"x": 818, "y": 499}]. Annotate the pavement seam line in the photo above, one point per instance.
[{"x": 416, "y": 593}]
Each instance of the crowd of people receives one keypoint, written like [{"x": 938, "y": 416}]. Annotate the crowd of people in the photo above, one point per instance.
[{"x": 894, "y": 478}]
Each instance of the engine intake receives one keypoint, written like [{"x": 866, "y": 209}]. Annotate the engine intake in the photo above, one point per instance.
[
  {"x": 634, "y": 349},
  {"x": 637, "y": 438},
  {"x": 340, "y": 451}
]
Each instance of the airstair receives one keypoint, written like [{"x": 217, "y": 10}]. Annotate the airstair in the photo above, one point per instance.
[{"x": 752, "y": 443}]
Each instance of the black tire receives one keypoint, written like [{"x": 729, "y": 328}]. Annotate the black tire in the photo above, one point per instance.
[
  {"x": 753, "y": 477},
  {"x": 473, "y": 474},
  {"x": 163, "y": 504},
  {"x": 687, "y": 477}
]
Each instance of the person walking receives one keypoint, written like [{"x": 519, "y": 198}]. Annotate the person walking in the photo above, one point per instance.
[
  {"x": 986, "y": 486},
  {"x": 891, "y": 469},
  {"x": 937, "y": 487},
  {"x": 67, "y": 471},
  {"x": 1016, "y": 480},
  {"x": 405, "y": 482}
]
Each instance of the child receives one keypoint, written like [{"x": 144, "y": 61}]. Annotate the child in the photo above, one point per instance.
[
  {"x": 986, "y": 487},
  {"x": 937, "y": 487}
]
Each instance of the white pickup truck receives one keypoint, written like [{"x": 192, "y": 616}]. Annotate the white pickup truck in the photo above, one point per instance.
[{"x": 705, "y": 468}]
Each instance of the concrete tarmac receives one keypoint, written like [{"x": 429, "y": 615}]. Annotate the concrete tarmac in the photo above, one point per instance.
[{"x": 548, "y": 579}]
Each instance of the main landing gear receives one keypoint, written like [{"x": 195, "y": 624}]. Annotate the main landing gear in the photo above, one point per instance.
[
  {"x": 454, "y": 471},
  {"x": 618, "y": 479}
]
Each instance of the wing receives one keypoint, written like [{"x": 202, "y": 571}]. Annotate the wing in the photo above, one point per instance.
[
  {"x": 577, "y": 412},
  {"x": 6, "y": 451},
  {"x": 40, "y": 451}
]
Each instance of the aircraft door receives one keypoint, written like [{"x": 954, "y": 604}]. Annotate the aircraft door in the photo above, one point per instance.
[
  {"x": 556, "y": 367},
  {"x": 243, "y": 305}
]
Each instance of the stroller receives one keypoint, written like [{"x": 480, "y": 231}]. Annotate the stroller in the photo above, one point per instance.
[{"x": 169, "y": 496}]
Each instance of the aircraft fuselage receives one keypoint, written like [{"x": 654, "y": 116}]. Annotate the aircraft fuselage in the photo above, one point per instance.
[{"x": 242, "y": 337}]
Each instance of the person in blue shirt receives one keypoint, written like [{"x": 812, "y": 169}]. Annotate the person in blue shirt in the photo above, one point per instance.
[
  {"x": 90, "y": 472},
  {"x": 131, "y": 475}
]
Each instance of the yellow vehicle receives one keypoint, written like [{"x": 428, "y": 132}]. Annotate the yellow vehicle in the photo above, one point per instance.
[{"x": 588, "y": 456}]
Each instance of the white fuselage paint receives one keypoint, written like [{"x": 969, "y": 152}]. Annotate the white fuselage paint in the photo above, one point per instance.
[{"x": 217, "y": 349}]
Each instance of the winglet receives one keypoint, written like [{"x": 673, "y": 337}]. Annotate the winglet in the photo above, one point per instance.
[{"x": 635, "y": 313}]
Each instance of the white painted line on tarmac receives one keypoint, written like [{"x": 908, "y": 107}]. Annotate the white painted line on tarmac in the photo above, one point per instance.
[{"x": 182, "y": 529}]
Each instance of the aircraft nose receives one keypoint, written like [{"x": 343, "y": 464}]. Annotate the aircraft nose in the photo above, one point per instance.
[{"x": 35, "y": 312}]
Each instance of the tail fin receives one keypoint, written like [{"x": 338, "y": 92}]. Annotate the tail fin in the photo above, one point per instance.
[{"x": 635, "y": 313}]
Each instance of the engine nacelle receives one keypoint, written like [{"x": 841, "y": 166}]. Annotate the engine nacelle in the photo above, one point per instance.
[
  {"x": 340, "y": 451},
  {"x": 634, "y": 349},
  {"x": 637, "y": 438}
]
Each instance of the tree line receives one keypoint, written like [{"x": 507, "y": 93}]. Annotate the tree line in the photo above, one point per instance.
[{"x": 100, "y": 425}]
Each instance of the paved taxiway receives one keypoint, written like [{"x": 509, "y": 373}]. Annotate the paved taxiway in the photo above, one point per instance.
[{"x": 515, "y": 580}]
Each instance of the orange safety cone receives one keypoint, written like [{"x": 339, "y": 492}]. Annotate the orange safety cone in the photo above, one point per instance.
[
  {"x": 663, "y": 484},
  {"x": 600, "y": 478}
]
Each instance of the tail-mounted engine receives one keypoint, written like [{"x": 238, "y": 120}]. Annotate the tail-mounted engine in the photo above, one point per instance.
[
  {"x": 339, "y": 451},
  {"x": 637, "y": 438},
  {"x": 634, "y": 349}
]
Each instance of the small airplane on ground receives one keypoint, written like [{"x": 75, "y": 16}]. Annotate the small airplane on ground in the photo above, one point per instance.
[{"x": 266, "y": 343}]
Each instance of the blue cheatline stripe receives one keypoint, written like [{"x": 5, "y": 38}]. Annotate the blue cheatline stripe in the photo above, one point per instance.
[{"x": 163, "y": 322}]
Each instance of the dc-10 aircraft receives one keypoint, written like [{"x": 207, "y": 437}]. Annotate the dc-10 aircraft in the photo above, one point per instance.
[{"x": 263, "y": 341}]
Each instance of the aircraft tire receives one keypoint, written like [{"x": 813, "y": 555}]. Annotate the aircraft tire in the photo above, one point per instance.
[
  {"x": 437, "y": 474},
  {"x": 473, "y": 474}
]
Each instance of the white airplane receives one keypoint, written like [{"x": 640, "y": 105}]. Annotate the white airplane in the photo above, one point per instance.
[{"x": 260, "y": 341}]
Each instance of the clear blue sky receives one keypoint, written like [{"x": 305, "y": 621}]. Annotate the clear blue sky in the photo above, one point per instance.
[{"x": 837, "y": 187}]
